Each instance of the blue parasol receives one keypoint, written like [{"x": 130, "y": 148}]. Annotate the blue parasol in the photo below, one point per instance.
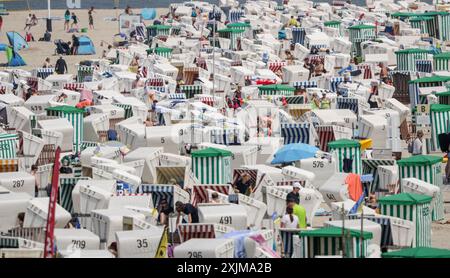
[{"x": 294, "y": 152}]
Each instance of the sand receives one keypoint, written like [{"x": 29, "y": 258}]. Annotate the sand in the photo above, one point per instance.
[{"x": 38, "y": 51}]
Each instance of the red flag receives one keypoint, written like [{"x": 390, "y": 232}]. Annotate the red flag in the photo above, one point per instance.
[{"x": 48, "y": 247}]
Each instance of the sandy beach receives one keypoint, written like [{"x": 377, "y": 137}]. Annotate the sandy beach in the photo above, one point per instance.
[{"x": 38, "y": 51}]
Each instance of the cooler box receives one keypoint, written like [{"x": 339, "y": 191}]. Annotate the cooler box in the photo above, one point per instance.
[
  {"x": 205, "y": 248},
  {"x": 18, "y": 182},
  {"x": 37, "y": 211},
  {"x": 70, "y": 239},
  {"x": 139, "y": 243},
  {"x": 226, "y": 214}
]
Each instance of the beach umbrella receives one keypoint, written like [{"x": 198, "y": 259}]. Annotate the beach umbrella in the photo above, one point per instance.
[{"x": 294, "y": 152}]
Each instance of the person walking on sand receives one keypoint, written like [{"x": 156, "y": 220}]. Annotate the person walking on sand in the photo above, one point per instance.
[
  {"x": 75, "y": 21},
  {"x": 67, "y": 20},
  {"x": 61, "y": 66},
  {"x": 28, "y": 22},
  {"x": 91, "y": 18}
]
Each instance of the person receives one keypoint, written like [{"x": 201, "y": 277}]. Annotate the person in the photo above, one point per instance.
[
  {"x": 383, "y": 71},
  {"x": 47, "y": 63},
  {"x": 113, "y": 248},
  {"x": 293, "y": 22},
  {"x": 309, "y": 66},
  {"x": 289, "y": 220},
  {"x": 91, "y": 18},
  {"x": 20, "y": 219},
  {"x": 294, "y": 194},
  {"x": 325, "y": 102},
  {"x": 315, "y": 102},
  {"x": 189, "y": 210},
  {"x": 28, "y": 22},
  {"x": 65, "y": 168},
  {"x": 61, "y": 66},
  {"x": 137, "y": 83},
  {"x": 128, "y": 10},
  {"x": 319, "y": 69},
  {"x": 34, "y": 20},
  {"x": 215, "y": 198},
  {"x": 75, "y": 44},
  {"x": 1, "y": 22},
  {"x": 243, "y": 184},
  {"x": 238, "y": 92},
  {"x": 75, "y": 21},
  {"x": 164, "y": 210},
  {"x": 300, "y": 212},
  {"x": 34, "y": 169},
  {"x": 66, "y": 20},
  {"x": 134, "y": 62},
  {"x": 418, "y": 143},
  {"x": 372, "y": 103},
  {"x": 289, "y": 57},
  {"x": 193, "y": 15}
]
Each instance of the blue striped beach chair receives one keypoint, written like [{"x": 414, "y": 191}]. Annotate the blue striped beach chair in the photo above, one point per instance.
[{"x": 296, "y": 133}]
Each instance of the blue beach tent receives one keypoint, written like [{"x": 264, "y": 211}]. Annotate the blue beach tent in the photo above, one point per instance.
[
  {"x": 14, "y": 59},
  {"x": 16, "y": 41},
  {"x": 86, "y": 46}
]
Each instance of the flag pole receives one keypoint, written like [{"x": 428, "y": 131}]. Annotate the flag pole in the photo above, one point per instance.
[
  {"x": 49, "y": 251},
  {"x": 362, "y": 230}
]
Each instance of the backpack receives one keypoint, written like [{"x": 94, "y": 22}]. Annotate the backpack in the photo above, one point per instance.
[{"x": 411, "y": 146}]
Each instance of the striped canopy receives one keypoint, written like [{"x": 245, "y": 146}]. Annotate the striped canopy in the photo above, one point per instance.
[{"x": 412, "y": 207}]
